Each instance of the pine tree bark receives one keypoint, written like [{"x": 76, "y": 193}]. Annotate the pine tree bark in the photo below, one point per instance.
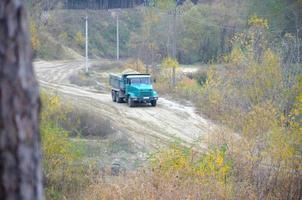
[{"x": 20, "y": 154}]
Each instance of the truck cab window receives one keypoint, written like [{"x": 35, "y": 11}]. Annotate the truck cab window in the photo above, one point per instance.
[{"x": 143, "y": 80}]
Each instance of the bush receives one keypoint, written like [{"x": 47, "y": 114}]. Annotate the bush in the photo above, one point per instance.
[
  {"x": 188, "y": 89},
  {"x": 82, "y": 79},
  {"x": 176, "y": 173},
  {"x": 50, "y": 49},
  {"x": 61, "y": 156},
  {"x": 89, "y": 124}
]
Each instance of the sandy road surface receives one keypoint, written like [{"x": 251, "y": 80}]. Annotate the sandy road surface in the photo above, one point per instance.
[{"x": 147, "y": 126}]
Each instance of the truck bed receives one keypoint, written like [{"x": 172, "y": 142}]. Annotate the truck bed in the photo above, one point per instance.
[{"x": 115, "y": 81}]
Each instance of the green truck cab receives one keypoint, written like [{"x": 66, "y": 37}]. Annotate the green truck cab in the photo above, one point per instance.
[{"x": 132, "y": 88}]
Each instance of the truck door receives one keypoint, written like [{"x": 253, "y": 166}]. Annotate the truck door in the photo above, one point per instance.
[{"x": 127, "y": 83}]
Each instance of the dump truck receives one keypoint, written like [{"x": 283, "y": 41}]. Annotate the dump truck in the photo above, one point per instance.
[{"x": 132, "y": 88}]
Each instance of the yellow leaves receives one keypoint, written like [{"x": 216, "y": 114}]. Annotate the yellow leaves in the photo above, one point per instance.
[
  {"x": 264, "y": 79},
  {"x": 297, "y": 111},
  {"x": 212, "y": 77},
  {"x": 261, "y": 127},
  {"x": 236, "y": 57},
  {"x": 172, "y": 160},
  {"x": 170, "y": 63},
  {"x": 182, "y": 161},
  {"x": 59, "y": 152},
  {"x": 214, "y": 163},
  {"x": 258, "y": 22},
  {"x": 215, "y": 97},
  {"x": 271, "y": 62},
  {"x": 280, "y": 147},
  {"x": 214, "y": 94},
  {"x": 300, "y": 98},
  {"x": 259, "y": 120},
  {"x": 52, "y": 108},
  {"x": 272, "y": 74},
  {"x": 35, "y": 42},
  {"x": 63, "y": 36},
  {"x": 249, "y": 46},
  {"x": 79, "y": 38},
  {"x": 219, "y": 160},
  {"x": 54, "y": 101}
]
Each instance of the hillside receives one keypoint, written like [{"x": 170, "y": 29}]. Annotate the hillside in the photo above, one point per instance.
[{"x": 203, "y": 31}]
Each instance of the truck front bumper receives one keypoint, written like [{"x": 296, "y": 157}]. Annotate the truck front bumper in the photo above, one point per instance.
[{"x": 144, "y": 99}]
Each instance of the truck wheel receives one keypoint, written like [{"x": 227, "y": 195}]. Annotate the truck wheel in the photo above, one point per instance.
[
  {"x": 113, "y": 96},
  {"x": 153, "y": 103},
  {"x": 130, "y": 102},
  {"x": 117, "y": 99}
]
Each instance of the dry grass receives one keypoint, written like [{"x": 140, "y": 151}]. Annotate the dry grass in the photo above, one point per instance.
[
  {"x": 249, "y": 177},
  {"x": 154, "y": 186}
]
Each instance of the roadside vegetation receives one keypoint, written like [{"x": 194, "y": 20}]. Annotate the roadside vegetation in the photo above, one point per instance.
[
  {"x": 78, "y": 148},
  {"x": 249, "y": 94},
  {"x": 249, "y": 81},
  {"x": 62, "y": 175}
]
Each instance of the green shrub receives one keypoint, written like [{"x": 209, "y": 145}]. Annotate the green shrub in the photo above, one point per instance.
[{"x": 62, "y": 170}]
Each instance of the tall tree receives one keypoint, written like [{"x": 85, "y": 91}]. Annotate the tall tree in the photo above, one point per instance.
[{"x": 20, "y": 155}]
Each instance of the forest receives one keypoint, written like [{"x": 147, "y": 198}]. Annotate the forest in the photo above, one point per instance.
[{"x": 213, "y": 25}]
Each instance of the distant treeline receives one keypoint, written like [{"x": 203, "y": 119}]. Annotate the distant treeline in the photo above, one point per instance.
[
  {"x": 110, "y": 4},
  {"x": 102, "y": 4}
]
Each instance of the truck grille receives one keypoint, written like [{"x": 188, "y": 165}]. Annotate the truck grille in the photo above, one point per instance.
[{"x": 146, "y": 93}]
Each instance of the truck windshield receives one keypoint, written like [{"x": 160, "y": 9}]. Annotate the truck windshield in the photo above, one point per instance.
[{"x": 142, "y": 80}]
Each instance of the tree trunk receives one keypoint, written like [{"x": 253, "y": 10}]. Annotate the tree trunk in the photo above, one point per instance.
[{"x": 20, "y": 153}]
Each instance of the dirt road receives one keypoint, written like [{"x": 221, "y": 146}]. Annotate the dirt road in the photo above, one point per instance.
[{"x": 147, "y": 126}]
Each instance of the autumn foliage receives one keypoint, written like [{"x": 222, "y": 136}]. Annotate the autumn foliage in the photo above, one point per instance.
[
  {"x": 259, "y": 155},
  {"x": 35, "y": 41},
  {"x": 62, "y": 177}
]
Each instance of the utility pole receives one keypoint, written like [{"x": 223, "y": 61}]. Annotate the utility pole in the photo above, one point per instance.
[
  {"x": 86, "y": 44},
  {"x": 298, "y": 45},
  {"x": 116, "y": 14},
  {"x": 174, "y": 46},
  {"x": 297, "y": 38},
  {"x": 117, "y": 38}
]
